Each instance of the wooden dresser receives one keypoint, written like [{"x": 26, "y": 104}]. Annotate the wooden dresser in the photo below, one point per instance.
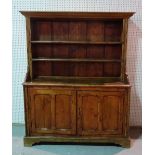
[{"x": 76, "y": 88}]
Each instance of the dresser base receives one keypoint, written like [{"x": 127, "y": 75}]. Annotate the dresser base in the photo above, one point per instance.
[{"x": 124, "y": 142}]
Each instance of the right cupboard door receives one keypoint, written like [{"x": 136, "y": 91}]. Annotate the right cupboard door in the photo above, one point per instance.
[{"x": 100, "y": 113}]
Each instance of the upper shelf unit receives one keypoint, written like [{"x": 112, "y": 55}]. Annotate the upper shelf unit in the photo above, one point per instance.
[{"x": 77, "y": 45}]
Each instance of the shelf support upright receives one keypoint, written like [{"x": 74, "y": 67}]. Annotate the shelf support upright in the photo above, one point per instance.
[
  {"x": 124, "y": 48},
  {"x": 29, "y": 53}
]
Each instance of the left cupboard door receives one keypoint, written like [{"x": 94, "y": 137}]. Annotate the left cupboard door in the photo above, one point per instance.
[{"x": 52, "y": 111}]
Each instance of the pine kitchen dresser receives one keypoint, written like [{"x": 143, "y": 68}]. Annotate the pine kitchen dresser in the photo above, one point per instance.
[{"x": 76, "y": 88}]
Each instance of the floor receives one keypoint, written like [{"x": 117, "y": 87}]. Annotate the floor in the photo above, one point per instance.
[{"x": 19, "y": 149}]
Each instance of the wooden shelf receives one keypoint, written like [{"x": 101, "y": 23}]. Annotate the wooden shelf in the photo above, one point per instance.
[
  {"x": 75, "y": 60},
  {"x": 74, "y": 79},
  {"x": 78, "y": 42}
]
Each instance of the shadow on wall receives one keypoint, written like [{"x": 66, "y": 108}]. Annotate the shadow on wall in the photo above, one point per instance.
[{"x": 133, "y": 69}]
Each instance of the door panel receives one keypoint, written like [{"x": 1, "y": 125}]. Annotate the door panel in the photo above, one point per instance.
[
  {"x": 42, "y": 111},
  {"x": 63, "y": 111},
  {"x": 111, "y": 113},
  {"x": 100, "y": 113},
  {"x": 52, "y": 111},
  {"x": 88, "y": 103},
  {"x": 90, "y": 107}
]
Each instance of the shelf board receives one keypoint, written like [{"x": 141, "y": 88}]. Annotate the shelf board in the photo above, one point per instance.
[
  {"x": 76, "y": 60},
  {"x": 75, "y": 79},
  {"x": 78, "y": 42}
]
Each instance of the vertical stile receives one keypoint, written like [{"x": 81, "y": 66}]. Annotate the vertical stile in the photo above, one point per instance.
[
  {"x": 124, "y": 48},
  {"x": 29, "y": 52}
]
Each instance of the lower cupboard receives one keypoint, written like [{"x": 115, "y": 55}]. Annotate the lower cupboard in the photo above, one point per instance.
[{"x": 76, "y": 114}]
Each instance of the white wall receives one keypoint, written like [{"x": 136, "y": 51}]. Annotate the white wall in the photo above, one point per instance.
[{"x": 134, "y": 44}]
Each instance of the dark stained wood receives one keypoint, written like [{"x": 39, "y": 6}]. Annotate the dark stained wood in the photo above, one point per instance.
[
  {"x": 60, "y": 51},
  {"x": 112, "y": 69},
  {"x": 77, "y": 51},
  {"x": 61, "y": 68},
  {"x": 42, "y": 68},
  {"x": 95, "y": 31},
  {"x": 103, "y": 36},
  {"x": 113, "y": 52},
  {"x": 41, "y": 30},
  {"x": 77, "y": 31},
  {"x": 95, "y": 52},
  {"x": 76, "y": 88},
  {"x": 112, "y": 31},
  {"x": 94, "y": 69},
  {"x": 60, "y": 31},
  {"x": 85, "y": 69},
  {"x": 42, "y": 50}
]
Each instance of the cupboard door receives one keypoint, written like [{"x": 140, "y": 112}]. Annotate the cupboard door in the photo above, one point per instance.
[
  {"x": 88, "y": 112},
  {"x": 52, "y": 111},
  {"x": 112, "y": 112},
  {"x": 100, "y": 113}
]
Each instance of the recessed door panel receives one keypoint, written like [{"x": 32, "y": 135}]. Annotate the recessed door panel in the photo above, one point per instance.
[
  {"x": 52, "y": 111},
  {"x": 100, "y": 113},
  {"x": 63, "y": 111},
  {"x": 111, "y": 113},
  {"x": 90, "y": 112},
  {"x": 42, "y": 111}
]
